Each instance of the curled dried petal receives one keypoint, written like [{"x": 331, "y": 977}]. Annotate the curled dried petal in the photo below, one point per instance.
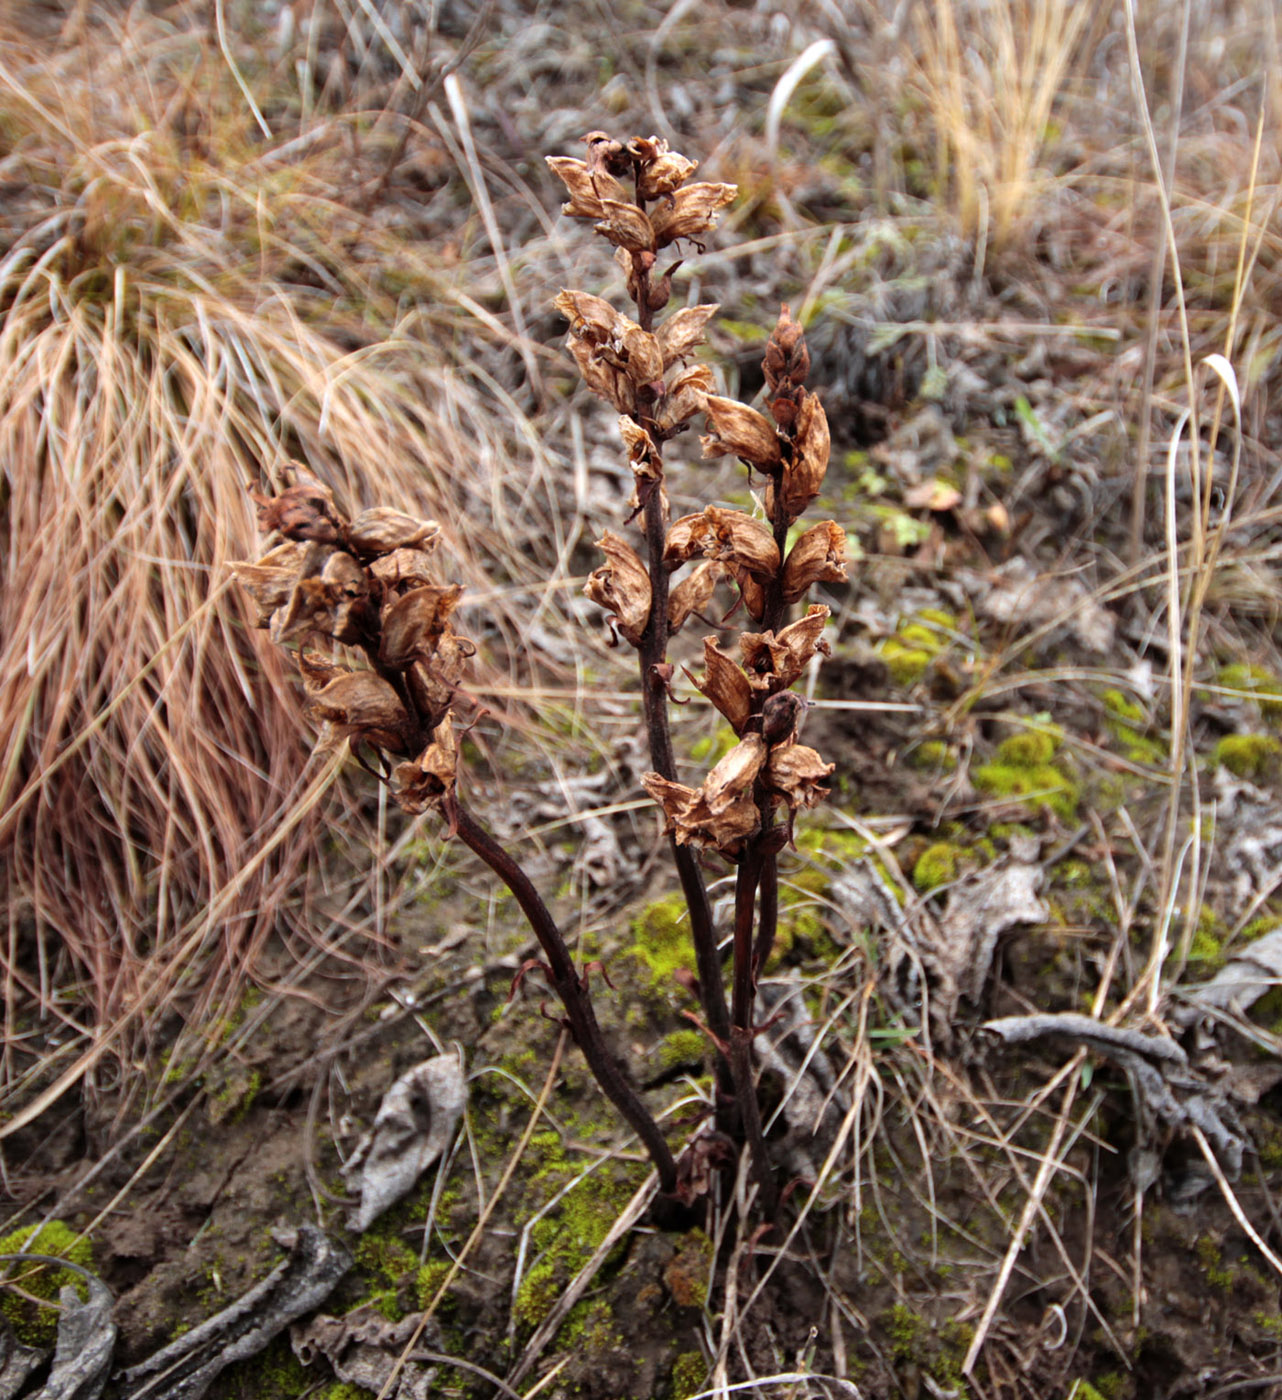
[
  {"x": 725, "y": 684},
  {"x": 753, "y": 593},
  {"x": 434, "y": 681},
  {"x": 302, "y": 512},
  {"x": 689, "y": 211},
  {"x": 803, "y": 475},
  {"x": 818, "y": 556},
  {"x": 622, "y": 586},
  {"x": 773, "y": 661},
  {"x": 796, "y": 773},
  {"x": 421, "y": 783},
  {"x": 686, "y": 538},
  {"x": 365, "y": 705},
  {"x": 402, "y": 568},
  {"x": 693, "y": 594},
  {"x": 722, "y": 813},
  {"x": 741, "y": 542},
  {"x": 626, "y": 226},
  {"x": 586, "y": 188},
  {"x": 640, "y": 350},
  {"x": 382, "y": 530},
  {"x": 412, "y": 624},
  {"x": 587, "y": 315},
  {"x": 270, "y": 581},
  {"x": 740, "y": 430},
  {"x": 666, "y": 171},
  {"x": 683, "y": 331},
  {"x": 687, "y": 392}
]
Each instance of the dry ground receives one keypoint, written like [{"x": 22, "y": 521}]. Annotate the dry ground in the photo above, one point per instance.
[{"x": 234, "y": 235}]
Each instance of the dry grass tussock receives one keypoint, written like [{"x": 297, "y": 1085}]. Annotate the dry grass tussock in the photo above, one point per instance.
[{"x": 186, "y": 305}]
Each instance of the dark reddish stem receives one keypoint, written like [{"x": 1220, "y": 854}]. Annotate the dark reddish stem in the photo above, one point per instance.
[
  {"x": 569, "y": 987},
  {"x": 741, "y": 1032}
]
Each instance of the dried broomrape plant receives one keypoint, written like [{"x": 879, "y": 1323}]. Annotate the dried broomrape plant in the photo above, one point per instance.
[{"x": 335, "y": 587}]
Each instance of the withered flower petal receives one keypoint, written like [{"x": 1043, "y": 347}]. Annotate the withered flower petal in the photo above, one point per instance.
[
  {"x": 626, "y": 226},
  {"x": 665, "y": 172},
  {"x": 686, "y": 538},
  {"x": 363, "y": 704},
  {"x": 413, "y": 623},
  {"x": 689, "y": 818},
  {"x": 725, "y": 683},
  {"x": 421, "y": 783},
  {"x": 693, "y": 594},
  {"x": 689, "y": 211},
  {"x": 303, "y": 512},
  {"x": 402, "y": 568},
  {"x": 796, "y": 773},
  {"x": 270, "y": 581},
  {"x": 818, "y": 556},
  {"x": 381, "y": 530},
  {"x": 587, "y": 315},
  {"x": 604, "y": 379},
  {"x": 687, "y": 392},
  {"x": 735, "y": 773},
  {"x": 774, "y": 661},
  {"x": 434, "y": 681},
  {"x": 753, "y": 593},
  {"x": 741, "y": 542},
  {"x": 683, "y": 331},
  {"x": 803, "y": 475},
  {"x": 587, "y": 188},
  {"x": 640, "y": 349},
  {"x": 740, "y": 430},
  {"x": 622, "y": 586}
]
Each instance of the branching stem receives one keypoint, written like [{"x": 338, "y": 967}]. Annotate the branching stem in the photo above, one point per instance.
[{"x": 569, "y": 987}]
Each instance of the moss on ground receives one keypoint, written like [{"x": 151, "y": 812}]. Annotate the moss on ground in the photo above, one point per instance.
[
  {"x": 1250, "y": 756},
  {"x": 915, "y": 644},
  {"x": 34, "y": 1317},
  {"x": 1256, "y": 683},
  {"x": 1025, "y": 766}
]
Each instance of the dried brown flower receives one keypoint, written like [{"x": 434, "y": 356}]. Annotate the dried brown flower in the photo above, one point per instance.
[
  {"x": 586, "y": 189},
  {"x": 741, "y": 542},
  {"x": 741, "y": 431},
  {"x": 796, "y": 772},
  {"x": 382, "y": 530},
  {"x": 773, "y": 661},
  {"x": 686, "y": 538},
  {"x": 433, "y": 683},
  {"x": 270, "y": 582},
  {"x": 693, "y": 594},
  {"x": 803, "y": 474},
  {"x": 412, "y": 624},
  {"x": 687, "y": 392},
  {"x": 725, "y": 684},
  {"x": 627, "y": 227},
  {"x": 689, "y": 212},
  {"x": 818, "y": 556},
  {"x": 722, "y": 813},
  {"x": 622, "y": 586},
  {"x": 365, "y": 706},
  {"x": 683, "y": 331},
  {"x": 421, "y": 783},
  {"x": 305, "y": 511}
]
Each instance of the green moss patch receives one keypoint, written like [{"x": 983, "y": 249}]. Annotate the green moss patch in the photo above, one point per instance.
[
  {"x": 1250, "y": 756},
  {"x": 34, "y": 1317},
  {"x": 1024, "y": 767}
]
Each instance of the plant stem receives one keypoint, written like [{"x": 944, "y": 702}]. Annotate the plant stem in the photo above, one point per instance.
[
  {"x": 569, "y": 987},
  {"x": 741, "y": 1032}
]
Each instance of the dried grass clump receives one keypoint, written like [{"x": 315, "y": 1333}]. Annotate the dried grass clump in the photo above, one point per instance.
[{"x": 185, "y": 306}]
